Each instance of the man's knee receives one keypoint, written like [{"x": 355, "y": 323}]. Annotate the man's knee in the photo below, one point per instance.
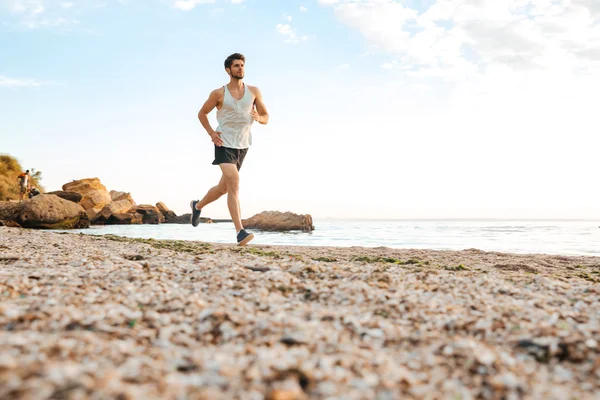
[
  {"x": 222, "y": 188},
  {"x": 232, "y": 182}
]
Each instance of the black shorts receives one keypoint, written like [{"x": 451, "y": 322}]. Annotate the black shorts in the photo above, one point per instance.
[{"x": 227, "y": 155}]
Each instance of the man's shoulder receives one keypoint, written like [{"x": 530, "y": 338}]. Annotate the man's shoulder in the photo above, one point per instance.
[
  {"x": 218, "y": 91},
  {"x": 254, "y": 89}
]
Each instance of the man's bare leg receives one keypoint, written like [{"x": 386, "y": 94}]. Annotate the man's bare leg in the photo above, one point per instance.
[
  {"x": 232, "y": 179},
  {"x": 213, "y": 194}
]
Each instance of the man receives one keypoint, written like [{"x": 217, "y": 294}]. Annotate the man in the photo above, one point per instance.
[
  {"x": 238, "y": 106},
  {"x": 33, "y": 191},
  {"x": 24, "y": 183}
]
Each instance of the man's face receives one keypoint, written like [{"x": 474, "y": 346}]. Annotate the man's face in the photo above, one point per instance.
[{"x": 237, "y": 69}]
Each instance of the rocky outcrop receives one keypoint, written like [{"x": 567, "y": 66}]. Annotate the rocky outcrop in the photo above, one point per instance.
[
  {"x": 168, "y": 214},
  {"x": 9, "y": 210},
  {"x": 116, "y": 195},
  {"x": 47, "y": 211},
  {"x": 185, "y": 219},
  {"x": 118, "y": 211},
  {"x": 9, "y": 224},
  {"x": 71, "y": 196},
  {"x": 279, "y": 221},
  {"x": 116, "y": 208},
  {"x": 93, "y": 192},
  {"x": 120, "y": 196},
  {"x": 150, "y": 214},
  {"x": 128, "y": 218}
]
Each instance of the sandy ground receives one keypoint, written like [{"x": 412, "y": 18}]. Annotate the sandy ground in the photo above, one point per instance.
[{"x": 91, "y": 317}]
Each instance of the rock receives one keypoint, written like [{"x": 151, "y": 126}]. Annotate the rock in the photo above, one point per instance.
[
  {"x": 279, "y": 221},
  {"x": 119, "y": 196},
  {"x": 150, "y": 214},
  {"x": 95, "y": 195},
  {"x": 185, "y": 219},
  {"x": 128, "y": 218},
  {"x": 115, "y": 194},
  {"x": 9, "y": 224},
  {"x": 48, "y": 211},
  {"x": 162, "y": 207},
  {"x": 9, "y": 210},
  {"x": 71, "y": 196},
  {"x": 168, "y": 214},
  {"x": 115, "y": 208}
]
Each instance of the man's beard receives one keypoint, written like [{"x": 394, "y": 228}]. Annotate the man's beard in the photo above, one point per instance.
[{"x": 238, "y": 76}]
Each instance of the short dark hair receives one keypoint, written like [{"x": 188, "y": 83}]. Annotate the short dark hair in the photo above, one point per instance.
[
  {"x": 235, "y": 56},
  {"x": 27, "y": 171}
]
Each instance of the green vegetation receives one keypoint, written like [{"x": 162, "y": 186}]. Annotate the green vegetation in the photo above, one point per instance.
[
  {"x": 325, "y": 259},
  {"x": 263, "y": 253},
  {"x": 9, "y": 172},
  {"x": 390, "y": 260},
  {"x": 181, "y": 246},
  {"x": 459, "y": 267}
]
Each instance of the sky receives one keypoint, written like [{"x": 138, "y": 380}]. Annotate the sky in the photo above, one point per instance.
[{"x": 378, "y": 108}]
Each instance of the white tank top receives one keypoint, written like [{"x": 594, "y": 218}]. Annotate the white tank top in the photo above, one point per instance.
[{"x": 235, "y": 120}]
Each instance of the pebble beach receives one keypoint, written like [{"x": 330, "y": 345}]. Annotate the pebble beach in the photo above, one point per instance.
[{"x": 107, "y": 317}]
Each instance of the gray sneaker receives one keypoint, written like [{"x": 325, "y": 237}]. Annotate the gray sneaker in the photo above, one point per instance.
[
  {"x": 244, "y": 237},
  {"x": 195, "y": 218}
]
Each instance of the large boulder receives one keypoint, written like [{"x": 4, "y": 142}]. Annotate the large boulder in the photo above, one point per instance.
[
  {"x": 118, "y": 211},
  {"x": 279, "y": 221},
  {"x": 168, "y": 214},
  {"x": 47, "y": 211},
  {"x": 9, "y": 210},
  {"x": 71, "y": 196},
  {"x": 150, "y": 214},
  {"x": 95, "y": 195},
  {"x": 117, "y": 207}
]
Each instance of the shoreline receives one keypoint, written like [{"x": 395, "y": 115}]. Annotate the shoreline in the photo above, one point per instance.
[
  {"x": 85, "y": 315},
  {"x": 499, "y": 241}
]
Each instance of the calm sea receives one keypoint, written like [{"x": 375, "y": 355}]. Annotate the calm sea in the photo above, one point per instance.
[{"x": 519, "y": 236}]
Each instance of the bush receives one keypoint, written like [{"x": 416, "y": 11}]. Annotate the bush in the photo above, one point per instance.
[{"x": 9, "y": 172}]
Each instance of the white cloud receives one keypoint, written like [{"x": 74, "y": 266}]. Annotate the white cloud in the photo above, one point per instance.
[
  {"x": 187, "y": 5},
  {"x": 303, "y": 9},
  {"x": 236, "y": 1},
  {"x": 32, "y": 7},
  {"x": 291, "y": 36},
  {"x": 287, "y": 17},
  {"x": 35, "y": 14},
  {"x": 15, "y": 82},
  {"x": 461, "y": 39}
]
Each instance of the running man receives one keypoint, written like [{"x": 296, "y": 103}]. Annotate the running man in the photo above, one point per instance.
[{"x": 238, "y": 106}]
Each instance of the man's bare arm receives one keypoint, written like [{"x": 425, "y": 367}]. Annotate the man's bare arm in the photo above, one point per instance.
[
  {"x": 207, "y": 107},
  {"x": 260, "y": 115}
]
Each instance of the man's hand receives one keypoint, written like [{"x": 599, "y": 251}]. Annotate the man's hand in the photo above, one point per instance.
[
  {"x": 255, "y": 116},
  {"x": 216, "y": 138}
]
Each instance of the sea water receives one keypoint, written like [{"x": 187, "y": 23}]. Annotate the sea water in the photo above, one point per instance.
[{"x": 516, "y": 236}]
